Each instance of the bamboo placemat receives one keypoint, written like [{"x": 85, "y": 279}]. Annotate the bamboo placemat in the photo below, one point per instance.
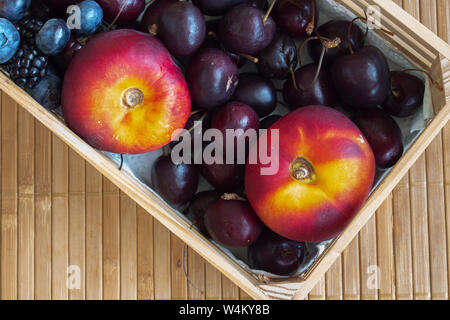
[{"x": 57, "y": 211}]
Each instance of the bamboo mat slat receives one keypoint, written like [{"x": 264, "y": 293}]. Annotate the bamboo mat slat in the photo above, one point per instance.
[{"x": 61, "y": 219}]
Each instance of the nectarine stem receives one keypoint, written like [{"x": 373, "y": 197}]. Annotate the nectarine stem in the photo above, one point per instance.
[
  {"x": 132, "y": 97},
  {"x": 302, "y": 170}
]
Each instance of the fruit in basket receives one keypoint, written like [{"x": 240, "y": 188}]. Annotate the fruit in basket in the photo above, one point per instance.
[
  {"x": 27, "y": 67},
  {"x": 276, "y": 60},
  {"x": 325, "y": 172},
  {"x": 62, "y": 60},
  {"x": 384, "y": 136},
  {"x": 91, "y": 17},
  {"x": 405, "y": 96},
  {"x": 9, "y": 40},
  {"x": 232, "y": 222},
  {"x": 257, "y": 92},
  {"x": 121, "y": 12},
  {"x": 216, "y": 7},
  {"x": 336, "y": 29},
  {"x": 275, "y": 254},
  {"x": 223, "y": 177},
  {"x": 182, "y": 28},
  {"x": 245, "y": 30},
  {"x": 197, "y": 209},
  {"x": 295, "y": 17},
  {"x": 306, "y": 91},
  {"x": 29, "y": 27},
  {"x": 53, "y": 37},
  {"x": 152, "y": 13},
  {"x": 362, "y": 79},
  {"x": 176, "y": 183},
  {"x": 47, "y": 90},
  {"x": 14, "y": 10},
  {"x": 123, "y": 93},
  {"x": 212, "y": 78}
]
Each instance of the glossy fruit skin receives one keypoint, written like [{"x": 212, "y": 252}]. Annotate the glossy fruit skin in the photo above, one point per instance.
[
  {"x": 383, "y": 134},
  {"x": 320, "y": 208},
  {"x": 267, "y": 122},
  {"x": 293, "y": 16},
  {"x": 14, "y": 10},
  {"x": 197, "y": 209},
  {"x": 275, "y": 254},
  {"x": 331, "y": 30},
  {"x": 362, "y": 79},
  {"x": 152, "y": 13},
  {"x": 405, "y": 95},
  {"x": 182, "y": 28},
  {"x": 216, "y": 7},
  {"x": 126, "y": 13},
  {"x": 62, "y": 60},
  {"x": 212, "y": 78},
  {"x": 91, "y": 17},
  {"x": 232, "y": 223},
  {"x": 48, "y": 90},
  {"x": 9, "y": 40},
  {"x": 177, "y": 184},
  {"x": 59, "y": 6},
  {"x": 112, "y": 63},
  {"x": 223, "y": 177},
  {"x": 257, "y": 92},
  {"x": 278, "y": 57},
  {"x": 242, "y": 30},
  {"x": 320, "y": 93},
  {"x": 53, "y": 37}
]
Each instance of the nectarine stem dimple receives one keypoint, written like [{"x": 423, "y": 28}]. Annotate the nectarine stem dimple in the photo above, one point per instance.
[
  {"x": 132, "y": 97},
  {"x": 302, "y": 170}
]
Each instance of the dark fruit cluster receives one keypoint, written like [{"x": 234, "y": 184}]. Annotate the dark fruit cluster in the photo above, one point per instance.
[
  {"x": 28, "y": 28},
  {"x": 27, "y": 67}
]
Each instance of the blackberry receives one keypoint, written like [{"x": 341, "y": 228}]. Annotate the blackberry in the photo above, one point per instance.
[
  {"x": 28, "y": 27},
  {"x": 27, "y": 67}
]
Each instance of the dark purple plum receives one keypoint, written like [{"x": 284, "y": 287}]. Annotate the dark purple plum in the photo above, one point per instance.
[
  {"x": 224, "y": 177},
  {"x": 267, "y": 122},
  {"x": 362, "y": 79},
  {"x": 294, "y": 16},
  {"x": 257, "y": 92},
  {"x": 232, "y": 222},
  {"x": 405, "y": 95},
  {"x": 320, "y": 93},
  {"x": 216, "y": 7},
  {"x": 62, "y": 60},
  {"x": 336, "y": 29},
  {"x": 182, "y": 28},
  {"x": 212, "y": 78},
  {"x": 177, "y": 184},
  {"x": 276, "y": 60},
  {"x": 121, "y": 12},
  {"x": 275, "y": 254},
  {"x": 383, "y": 134},
  {"x": 197, "y": 208},
  {"x": 153, "y": 12},
  {"x": 243, "y": 30}
]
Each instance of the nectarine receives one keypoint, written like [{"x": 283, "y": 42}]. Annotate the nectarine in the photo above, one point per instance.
[{"x": 326, "y": 171}]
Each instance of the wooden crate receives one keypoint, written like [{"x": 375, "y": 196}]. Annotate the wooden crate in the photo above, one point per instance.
[{"x": 411, "y": 37}]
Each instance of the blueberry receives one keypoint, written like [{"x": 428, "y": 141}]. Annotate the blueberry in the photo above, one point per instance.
[
  {"x": 14, "y": 10},
  {"x": 53, "y": 37},
  {"x": 91, "y": 17},
  {"x": 9, "y": 40}
]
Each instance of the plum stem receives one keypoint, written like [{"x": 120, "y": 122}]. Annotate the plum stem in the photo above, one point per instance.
[
  {"x": 312, "y": 25},
  {"x": 153, "y": 29},
  {"x": 248, "y": 57},
  {"x": 232, "y": 196},
  {"x": 302, "y": 170},
  {"x": 433, "y": 82},
  {"x": 132, "y": 97},
  {"x": 122, "y": 7},
  {"x": 266, "y": 16}
]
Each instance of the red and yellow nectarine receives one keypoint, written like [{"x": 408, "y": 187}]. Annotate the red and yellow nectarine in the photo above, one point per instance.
[
  {"x": 326, "y": 171},
  {"x": 123, "y": 93}
]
